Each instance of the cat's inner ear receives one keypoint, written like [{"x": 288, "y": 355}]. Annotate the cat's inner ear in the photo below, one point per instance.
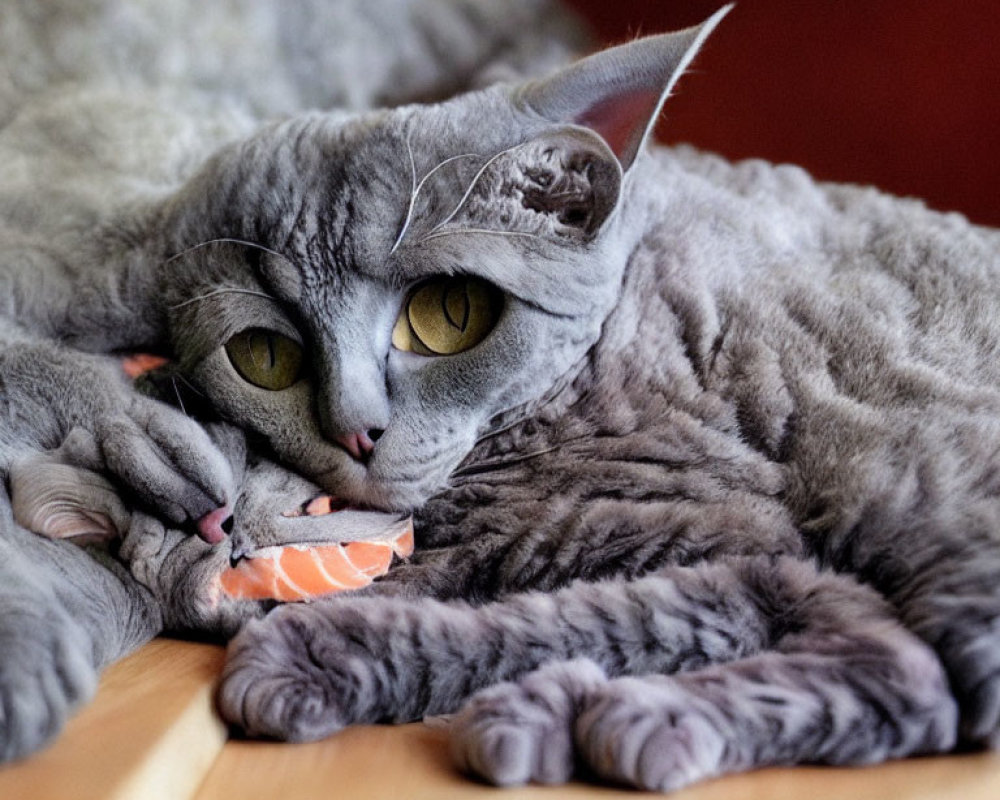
[
  {"x": 569, "y": 177},
  {"x": 618, "y": 93}
]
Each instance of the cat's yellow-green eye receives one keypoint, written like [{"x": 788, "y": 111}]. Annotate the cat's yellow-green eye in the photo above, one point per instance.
[
  {"x": 446, "y": 316},
  {"x": 265, "y": 358}
]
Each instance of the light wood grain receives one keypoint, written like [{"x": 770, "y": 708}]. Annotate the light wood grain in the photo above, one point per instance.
[
  {"x": 371, "y": 762},
  {"x": 411, "y": 761},
  {"x": 150, "y": 733}
]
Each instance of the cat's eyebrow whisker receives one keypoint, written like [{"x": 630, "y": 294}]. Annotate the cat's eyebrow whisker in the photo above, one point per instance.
[
  {"x": 472, "y": 185},
  {"x": 216, "y": 292},
  {"x": 459, "y": 231},
  {"x": 415, "y": 192},
  {"x": 223, "y": 240}
]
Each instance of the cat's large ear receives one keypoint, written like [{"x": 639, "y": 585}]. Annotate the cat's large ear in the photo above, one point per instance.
[{"x": 618, "y": 93}]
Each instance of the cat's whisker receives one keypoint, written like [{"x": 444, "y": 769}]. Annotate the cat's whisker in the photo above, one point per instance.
[
  {"x": 216, "y": 292},
  {"x": 417, "y": 187},
  {"x": 501, "y": 463},
  {"x": 413, "y": 194},
  {"x": 472, "y": 185},
  {"x": 504, "y": 428},
  {"x": 462, "y": 231},
  {"x": 191, "y": 386},
  {"x": 177, "y": 394},
  {"x": 222, "y": 240}
]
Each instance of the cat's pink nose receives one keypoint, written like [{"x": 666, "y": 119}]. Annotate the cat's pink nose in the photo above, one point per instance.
[
  {"x": 214, "y": 526},
  {"x": 359, "y": 444}
]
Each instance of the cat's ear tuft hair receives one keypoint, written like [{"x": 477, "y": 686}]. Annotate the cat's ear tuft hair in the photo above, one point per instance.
[{"x": 618, "y": 93}]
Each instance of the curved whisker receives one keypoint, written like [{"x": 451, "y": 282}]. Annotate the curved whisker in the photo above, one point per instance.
[
  {"x": 215, "y": 292},
  {"x": 223, "y": 240},
  {"x": 472, "y": 185},
  {"x": 177, "y": 394},
  {"x": 487, "y": 231},
  {"x": 500, "y": 463},
  {"x": 504, "y": 428},
  {"x": 191, "y": 386},
  {"x": 415, "y": 192}
]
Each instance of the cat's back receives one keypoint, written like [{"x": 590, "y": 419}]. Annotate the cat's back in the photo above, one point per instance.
[{"x": 853, "y": 337}]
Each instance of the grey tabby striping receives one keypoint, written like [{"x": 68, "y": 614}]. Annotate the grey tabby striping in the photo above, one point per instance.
[{"x": 704, "y": 480}]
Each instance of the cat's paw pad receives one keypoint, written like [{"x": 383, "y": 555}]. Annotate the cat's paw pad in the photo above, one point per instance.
[
  {"x": 647, "y": 733},
  {"x": 514, "y": 733},
  {"x": 292, "y": 676},
  {"x": 45, "y": 673}
]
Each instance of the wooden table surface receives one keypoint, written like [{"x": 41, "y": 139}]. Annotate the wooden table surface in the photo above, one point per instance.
[{"x": 152, "y": 733}]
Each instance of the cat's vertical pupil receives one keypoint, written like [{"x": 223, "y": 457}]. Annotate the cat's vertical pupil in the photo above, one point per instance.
[{"x": 270, "y": 352}]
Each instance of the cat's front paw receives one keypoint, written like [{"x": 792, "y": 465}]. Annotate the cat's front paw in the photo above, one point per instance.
[
  {"x": 45, "y": 673},
  {"x": 515, "y": 733},
  {"x": 295, "y": 676},
  {"x": 648, "y": 733},
  {"x": 973, "y": 665},
  {"x": 169, "y": 462}
]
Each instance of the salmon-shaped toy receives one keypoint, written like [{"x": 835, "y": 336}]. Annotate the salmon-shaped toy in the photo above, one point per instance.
[{"x": 301, "y": 572}]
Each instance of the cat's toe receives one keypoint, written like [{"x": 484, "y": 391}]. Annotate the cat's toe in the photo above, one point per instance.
[
  {"x": 274, "y": 686},
  {"x": 515, "y": 733},
  {"x": 643, "y": 732}
]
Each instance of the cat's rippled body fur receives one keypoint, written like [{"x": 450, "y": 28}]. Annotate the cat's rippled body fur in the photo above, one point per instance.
[
  {"x": 792, "y": 391},
  {"x": 716, "y": 492}
]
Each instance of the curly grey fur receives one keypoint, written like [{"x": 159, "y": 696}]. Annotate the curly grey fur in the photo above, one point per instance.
[
  {"x": 739, "y": 425},
  {"x": 786, "y": 374}
]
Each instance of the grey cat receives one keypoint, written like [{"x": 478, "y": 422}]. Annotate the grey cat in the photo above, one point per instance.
[
  {"x": 115, "y": 120},
  {"x": 702, "y": 453},
  {"x": 710, "y": 485}
]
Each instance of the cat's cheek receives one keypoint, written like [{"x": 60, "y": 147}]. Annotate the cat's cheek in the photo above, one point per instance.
[{"x": 284, "y": 418}]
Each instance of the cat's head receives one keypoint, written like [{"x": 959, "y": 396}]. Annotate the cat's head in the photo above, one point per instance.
[{"x": 407, "y": 275}]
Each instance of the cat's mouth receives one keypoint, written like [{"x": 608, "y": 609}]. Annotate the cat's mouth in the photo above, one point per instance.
[
  {"x": 320, "y": 506},
  {"x": 357, "y": 547}
]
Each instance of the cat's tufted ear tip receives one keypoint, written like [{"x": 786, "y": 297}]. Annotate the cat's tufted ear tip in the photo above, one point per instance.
[{"x": 618, "y": 92}]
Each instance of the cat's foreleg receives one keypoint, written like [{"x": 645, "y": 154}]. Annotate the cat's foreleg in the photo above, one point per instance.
[
  {"x": 843, "y": 684},
  {"x": 51, "y": 396},
  {"x": 63, "y": 616},
  {"x": 308, "y": 670}
]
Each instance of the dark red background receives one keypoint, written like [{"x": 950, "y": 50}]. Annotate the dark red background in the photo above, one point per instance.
[{"x": 904, "y": 94}]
